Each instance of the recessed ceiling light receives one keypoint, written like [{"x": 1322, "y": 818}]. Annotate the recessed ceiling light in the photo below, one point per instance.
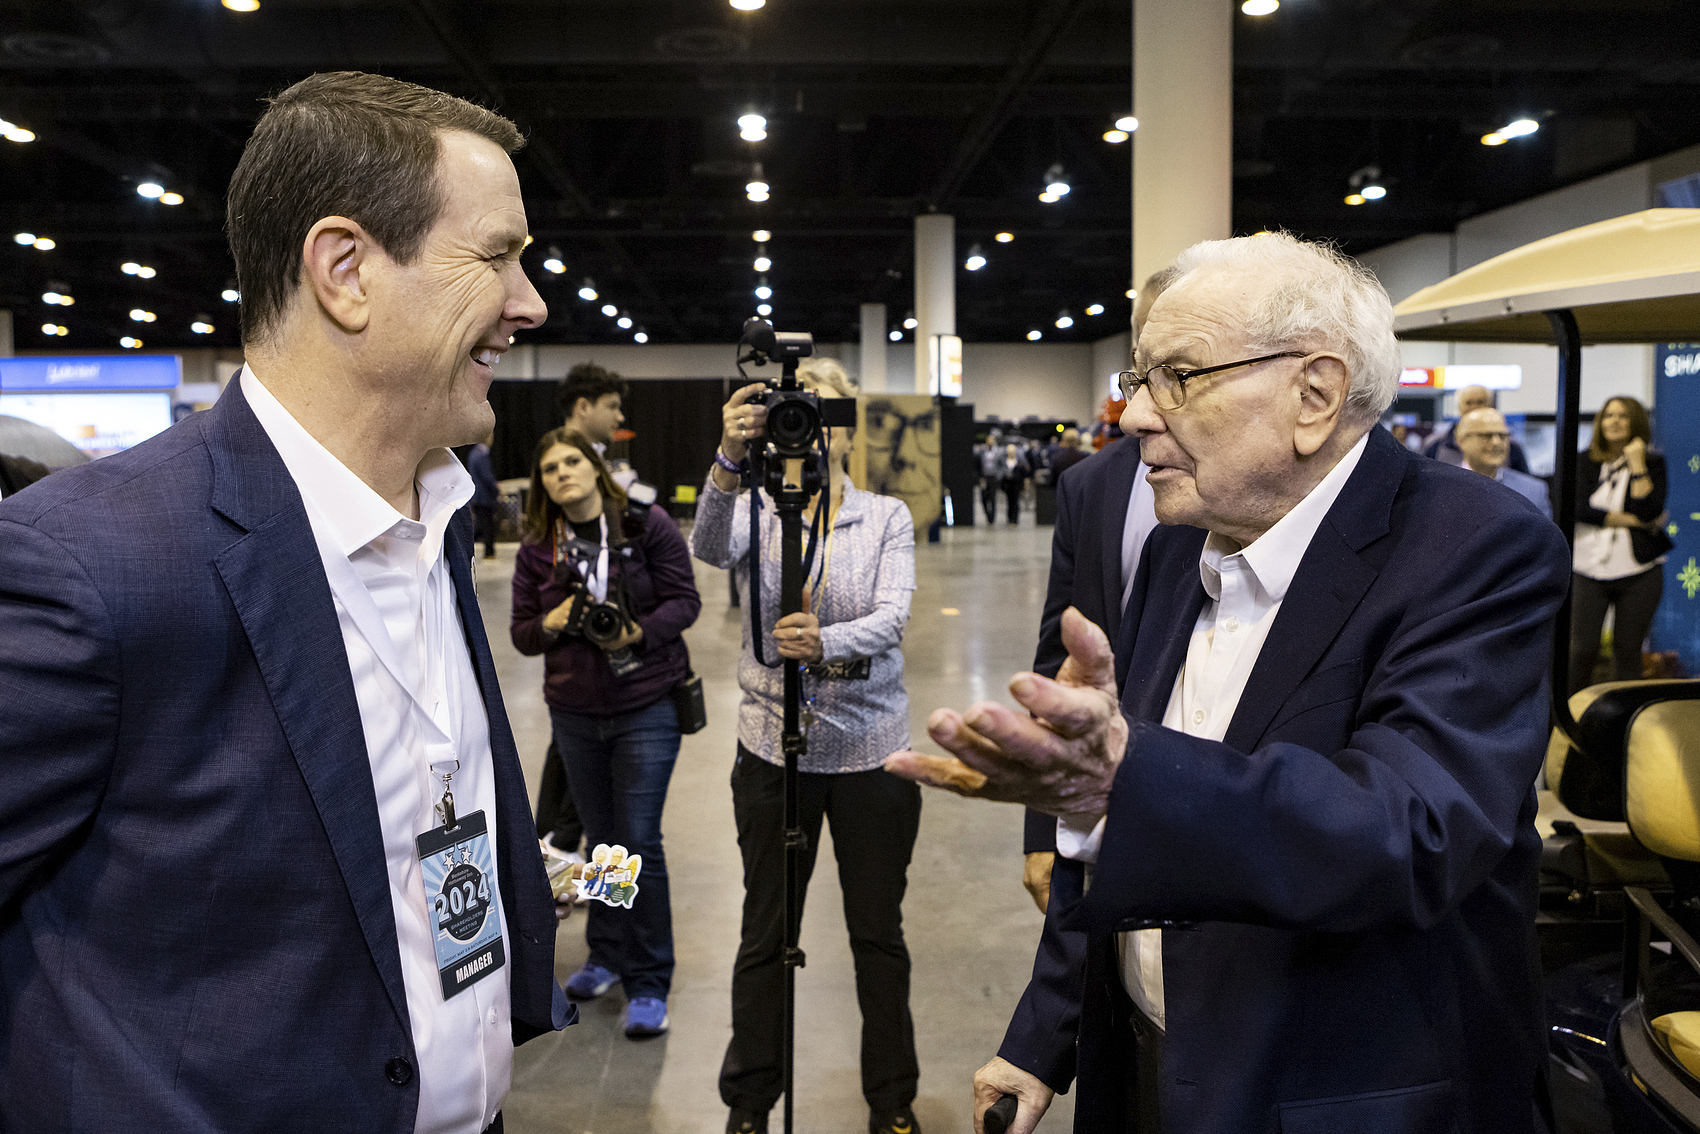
[
  {"x": 764, "y": 310},
  {"x": 1115, "y": 136},
  {"x": 231, "y": 295},
  {"x": 1004, "y": 237},
  {"x": 762, "y": 264},
  {"x": 1095, "y": 309},
  {"x": 1127, "y": 122},
  {"x": 1260, "y": 7},
  {"x": 894, "y": 336},
  {"x": 150, "y": 189},
  {"x": 129, "y": 343},
  {"x": 171, "y": 198},
  {"x": 749, "y": 5},
  {"x": 24, "y": 238},
  {"x": 45, "y": 244},
  {"x": 1035, "y": 335},
  {"x": 640, "y": 337},
  {"x": 761, "y": 236},
  {"x": 587, "y": 290},
  {"x": 1354, "y": 198},
  {"x": 201, "y": 327},
  {"x": 610, "y": 310},
  {"x": 242, "y": 5},
  {"x": 1374, "y": 192}
]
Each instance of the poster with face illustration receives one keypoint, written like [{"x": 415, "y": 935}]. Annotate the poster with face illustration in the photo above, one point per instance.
[{"x": 897, "y": 446}]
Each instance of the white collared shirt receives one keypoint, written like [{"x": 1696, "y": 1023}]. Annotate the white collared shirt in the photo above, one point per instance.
[
  {"x": 1137, "y": 525},
  {"x": 1245, "y": 587},
  {"x": 428, "y": 715}
]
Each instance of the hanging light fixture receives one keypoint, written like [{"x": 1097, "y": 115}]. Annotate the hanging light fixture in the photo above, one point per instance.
[
  {"x": 976, "y": 259},
  {"x": 587, "y": 290}
]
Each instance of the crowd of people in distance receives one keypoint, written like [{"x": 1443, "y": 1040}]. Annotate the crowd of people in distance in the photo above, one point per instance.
[{"x": 1011, "y": 465}]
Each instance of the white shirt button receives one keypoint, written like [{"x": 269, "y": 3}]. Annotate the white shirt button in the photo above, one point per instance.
[
  {"x": 1198, "y": 716},
  {"x": 1232, "y": 624}
]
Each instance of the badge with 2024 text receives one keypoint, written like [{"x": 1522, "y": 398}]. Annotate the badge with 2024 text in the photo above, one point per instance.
[{"x": 460, "y": 892}]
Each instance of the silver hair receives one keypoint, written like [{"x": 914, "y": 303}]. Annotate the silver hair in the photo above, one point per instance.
[
  {"x": 828, "y": 372},
  {"x": 1322, "y": 300}
]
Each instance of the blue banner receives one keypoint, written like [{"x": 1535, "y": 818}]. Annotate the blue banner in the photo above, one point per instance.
[
  {"x": 47, "y": 374},
  {"x": 1676, "y": 434}
]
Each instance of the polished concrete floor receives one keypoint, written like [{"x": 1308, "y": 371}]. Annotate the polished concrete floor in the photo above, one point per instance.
[{"x": 970, "y": 926}]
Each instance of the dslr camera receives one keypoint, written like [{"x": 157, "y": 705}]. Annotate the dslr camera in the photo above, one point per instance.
[
  {"x": 795, "y": 416},
  {"x": 601, "y": 623}
]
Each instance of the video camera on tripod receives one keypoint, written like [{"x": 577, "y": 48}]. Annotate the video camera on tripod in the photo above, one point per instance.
[{"x": 795, "y": 416}]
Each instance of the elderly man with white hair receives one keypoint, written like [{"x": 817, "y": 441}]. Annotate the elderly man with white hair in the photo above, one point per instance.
[
  {"x": 1485, "y": 441},
  {"x": 1296, "y": 882}
]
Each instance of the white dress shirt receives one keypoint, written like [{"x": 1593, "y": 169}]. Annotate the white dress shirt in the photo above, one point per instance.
[
  {"x": 421, "y": 711},
  {"x": 1245, "y": 587},
  {"x": 1140, "y": 521}
]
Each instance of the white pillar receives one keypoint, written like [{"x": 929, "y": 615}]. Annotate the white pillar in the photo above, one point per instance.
[
  {"x": 935, "y": 288},
  {"x": 873, "y": 348},
  {"x": 1183, "y": 151}
]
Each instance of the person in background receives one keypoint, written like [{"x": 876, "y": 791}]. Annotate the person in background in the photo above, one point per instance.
[
  {"x": 849, "y": 636},
  {"x": 592, "y": 399},
  {"x": 1069, "y": 453},
  {"x": 1620, "y": 541},
  {"x": 1485, "y": 441},
  {"x": 990, "y": 455},
  {"x": 485, "y": 494},
  {"x": 1445, "y": 447},
  {"x": 616, "y": 732},
  {"x": 1012, "y": 478},
  {"x": 18, "y": 473}
]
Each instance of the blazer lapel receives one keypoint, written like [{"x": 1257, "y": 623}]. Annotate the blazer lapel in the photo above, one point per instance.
[
  {"x": 1159, "y": 621},
  {"x": 277, "y": 585},
  {"x": 1118, "y": 487},
  {"x": 1331, "y": 580}
]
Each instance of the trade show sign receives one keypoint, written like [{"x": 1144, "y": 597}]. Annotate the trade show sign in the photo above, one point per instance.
[{"x": 1676, "y": 434}]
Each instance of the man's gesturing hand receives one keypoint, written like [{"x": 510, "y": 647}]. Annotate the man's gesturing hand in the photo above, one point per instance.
[{"x": 1062, "y": 760}]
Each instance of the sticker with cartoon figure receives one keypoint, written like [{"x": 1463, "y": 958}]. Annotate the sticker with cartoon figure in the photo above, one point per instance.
[{"x": 610, "y": 876}]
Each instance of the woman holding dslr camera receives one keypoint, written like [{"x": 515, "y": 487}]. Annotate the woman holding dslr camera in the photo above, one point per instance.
[
  {"x": 857, "y": 587},
  {"x": 617, "y": 732}
]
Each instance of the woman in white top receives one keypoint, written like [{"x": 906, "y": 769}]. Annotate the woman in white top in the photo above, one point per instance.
[{"x": 1620, "y": 541}]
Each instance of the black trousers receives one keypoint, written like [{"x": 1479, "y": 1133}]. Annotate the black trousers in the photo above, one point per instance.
[
  {"x": 875, "y": 816},
  {"x": 1012, "y": 493},
  {"x": 989, "y": 499},
  {"x": 484, "y": 527},
  {"x": 556, "y": 813},
  {"x": 1636, "y": 598}
]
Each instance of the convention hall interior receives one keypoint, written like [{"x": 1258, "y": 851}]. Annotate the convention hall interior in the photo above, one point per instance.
[{"x": 959, "y": 200}]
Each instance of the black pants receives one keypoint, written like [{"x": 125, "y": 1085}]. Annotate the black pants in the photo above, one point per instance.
[
  {"x": 556, "y": 814},
  {"x": 875, "y": 816},
  {"x": 989, "y": 499},
  {"x": 1635, "y": 598},
  {"x": 1012, "y": 493},
  {"x": 484, "y": 527}
]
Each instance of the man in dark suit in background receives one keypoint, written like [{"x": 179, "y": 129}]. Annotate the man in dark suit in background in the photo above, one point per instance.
[
  {"x": 251, "y": 716},
  {"x": 1311, "y": 813}
]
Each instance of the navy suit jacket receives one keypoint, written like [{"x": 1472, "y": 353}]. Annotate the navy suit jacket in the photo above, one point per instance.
[
  {"x": 1347, "y": 883},
  {"x": 195, "y": 923}
]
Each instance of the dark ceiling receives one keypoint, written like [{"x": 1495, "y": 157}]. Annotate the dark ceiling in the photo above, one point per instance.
[{"x": 878, "y": 110}]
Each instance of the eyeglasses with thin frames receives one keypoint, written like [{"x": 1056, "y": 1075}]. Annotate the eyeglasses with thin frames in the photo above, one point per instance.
[{"x": 1168, "y": 385}]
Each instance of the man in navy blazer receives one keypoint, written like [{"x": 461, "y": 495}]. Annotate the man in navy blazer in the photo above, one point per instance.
[
  {"x": 199, "y": 922},
  {"x": 1310, "y": 817}
]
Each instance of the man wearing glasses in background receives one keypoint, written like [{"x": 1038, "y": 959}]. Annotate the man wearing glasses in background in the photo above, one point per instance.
[
  {"x": 1301, "y": 848},
  {"x": 1485, "y": 441}
]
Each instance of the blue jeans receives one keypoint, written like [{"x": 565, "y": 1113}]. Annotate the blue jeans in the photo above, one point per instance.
[{"x": 618, "y": 768}]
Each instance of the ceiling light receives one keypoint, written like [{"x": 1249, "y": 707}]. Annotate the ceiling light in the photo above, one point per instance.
[
  {"x": 45, "y": 244},
  {"x": 554, "y": 266},
  {"x": 242, "y": 5},
  {"x": 764, "y": 309},
  {"x": 56, "y": 298},
  {"x": 1260, "y": 7},
  {"x": 749, "y": 5},
  {"x": 129, "y": 343},
  {"x": 1354, "y": 198},
  {"x": 764, "y": 292},
  {"x": 1520, "y": 128},
  {"x": 976, "y": 259},
  {"x": 761, "y": 236},
  {"x": 1004, "y": 237},
  {"x": 610, "y": 310},
  {"x": 150, "y": 189},
  {"x": 1128, "y": 123},
  {"x": 752, "y": 128},
  {"x": 24, "y": 238},
  {"x": 587, "y": 290},
  {"x": 1128, "y": 293},
  {"x": 1056, "y": 181},
  {"x": 12, "y": 132},
  {"x": 1115, "y": 136},
  {"x": 141, "y": 316},
  {"x": 895, "y": 336},
  {"x": 53, "y": 329},
  {"x": 171, "y": 198},
  {"x": 1494, "y": 139},
  {"x": 1064, "y": 320},
  {"x": 1095, "y": 309},
  {"x": 1035, "y": 335},
  {"x": 910, "y": 322},
  {"x": 624, "y": 322},
  {"x": 1374, "y": 192},
  {"x": 231, "y": 295},
  {"x": 762, "y": 264},
  {"x": 201, "y": 326},
  {"x": 756, "y": 190},
  {"x": 640, "y": 337}
]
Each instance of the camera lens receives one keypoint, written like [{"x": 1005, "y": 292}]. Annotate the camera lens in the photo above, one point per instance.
[
  {"x": 602, "y": 623},
  {"x": 791, "y": 425}
]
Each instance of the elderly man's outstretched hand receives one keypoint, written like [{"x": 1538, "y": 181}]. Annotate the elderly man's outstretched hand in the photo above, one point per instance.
[{"x": 1061, "y": 760}]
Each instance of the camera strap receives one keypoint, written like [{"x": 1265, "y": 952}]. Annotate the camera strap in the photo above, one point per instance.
[
  {"x": 756, "y": 565},
  {"x": 590, "y": 560}
]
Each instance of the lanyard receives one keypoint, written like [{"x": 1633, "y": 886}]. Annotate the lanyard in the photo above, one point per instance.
[{"x": 596, "y": 578}]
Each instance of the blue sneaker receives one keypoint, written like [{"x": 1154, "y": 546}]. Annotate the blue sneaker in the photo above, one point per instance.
[
  {"x": 590, "y": 982},
  {"x": 645, "y": 1016}
]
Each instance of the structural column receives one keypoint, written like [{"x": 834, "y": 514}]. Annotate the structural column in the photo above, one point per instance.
[
  {"x": 873, "y": 348},
  {"x": 935, "y": 288},
  {"x": 1183, "y": 151}
]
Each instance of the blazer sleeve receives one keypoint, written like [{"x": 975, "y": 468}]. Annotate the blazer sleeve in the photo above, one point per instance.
[
  {"x": 1041, "y": 1035},
  {"x": 1395, "y": 827},
  {"x": 60, "y": 673},
  {"x": 669, "y": 563},
  {"x": 1648, "y": 507}
]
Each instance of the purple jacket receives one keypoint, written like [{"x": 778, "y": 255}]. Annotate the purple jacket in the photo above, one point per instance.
[{"x": 662, "y": 591}]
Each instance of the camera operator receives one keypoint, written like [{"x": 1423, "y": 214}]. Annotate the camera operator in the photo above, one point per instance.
[
  {"x": 857, "y": 588},
  {"x": 604, "y": 592}
]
